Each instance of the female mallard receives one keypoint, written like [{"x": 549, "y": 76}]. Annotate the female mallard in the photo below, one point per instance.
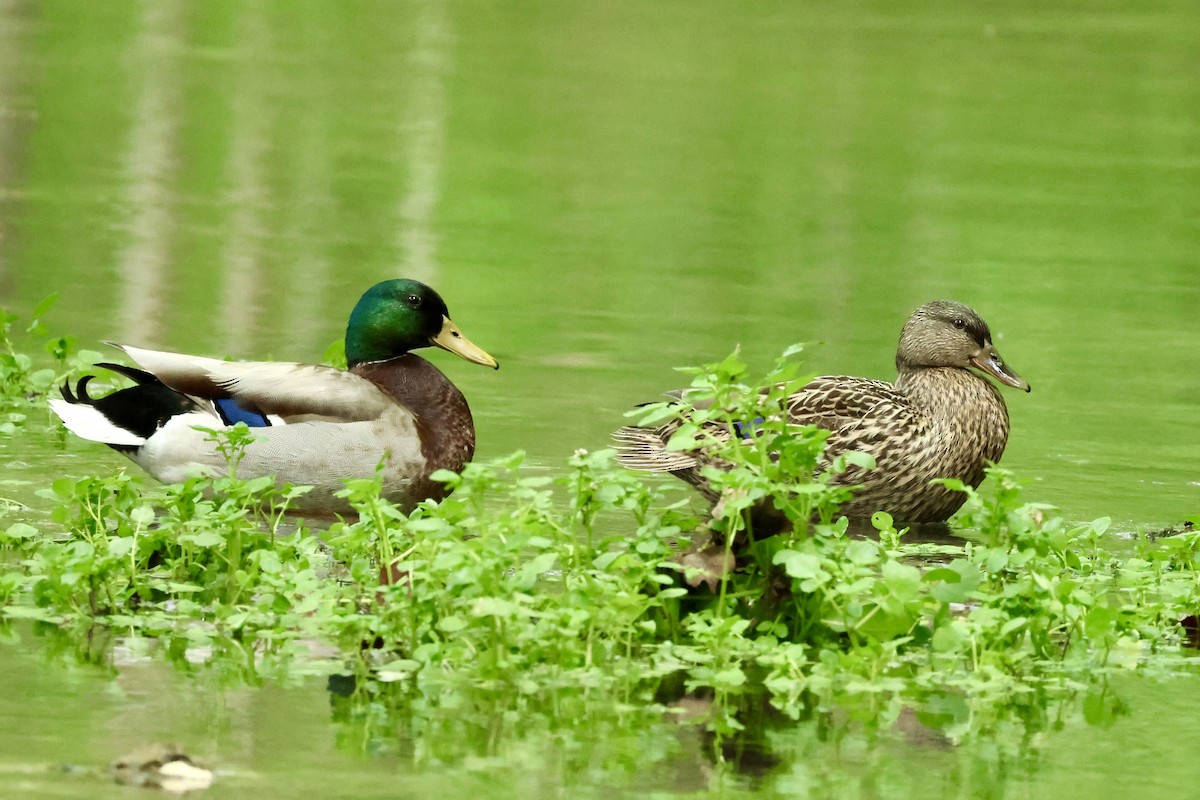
[
  {"x": 938, "y": 420},
  {"x": 315, "y": 426}
]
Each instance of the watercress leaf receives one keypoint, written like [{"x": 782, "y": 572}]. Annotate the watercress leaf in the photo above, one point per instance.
[
  {"x": 729, "y": 678},
  {"x": 857, "y": 458},
  {"x": 535, "y": 481},
  {"x": 399, "y": 669},
  {"x": 86, "y": 356},
  {"x": 203, "y": 539},
  {"x": 120, "y": 546},
  {"x": 236, "y": 620},
  {"x": 142, "y": 515},
  {"x": 803, "y": 566},
  {"x": 268, "y": 561},
  {"x": 493, "y": 607},
  {"x": 996, "y": 560},
  {"x": 685, "y": 438},
  {"x": 21, "y": 530},
  {"x": 604, "y": 560},
  {"x": 1099, "y": 621},
  {"x": 445, "y": 476},
  {"x": 654, "y": 414},
  {"x": 944, "y": 574},
  {"x": 31, "y": 612},
  {"x": 947, "y": 638},
  {"x": 902, "y": 579},
  {"x": 861, "y": 551},
  {"x": 531, "y": 571}
]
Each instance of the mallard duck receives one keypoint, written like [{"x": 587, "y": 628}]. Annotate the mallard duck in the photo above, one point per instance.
[
  {"x": 940, "y": 419},
  {"x": 314, "y": 425}
]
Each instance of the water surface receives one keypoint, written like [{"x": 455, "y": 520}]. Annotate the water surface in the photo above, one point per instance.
[{"x": 603, "y": 192}]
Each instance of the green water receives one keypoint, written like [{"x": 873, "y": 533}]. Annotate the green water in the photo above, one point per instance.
[{"x": 602, "y": 192}]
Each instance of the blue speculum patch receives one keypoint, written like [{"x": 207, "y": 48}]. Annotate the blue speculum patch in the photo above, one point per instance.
[
  {"x": 232, "y": 413},
  {"x": 746, "y": 429}
]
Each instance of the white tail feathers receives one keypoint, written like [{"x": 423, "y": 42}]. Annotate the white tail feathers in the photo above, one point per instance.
[{"x": 87, "y": 422}]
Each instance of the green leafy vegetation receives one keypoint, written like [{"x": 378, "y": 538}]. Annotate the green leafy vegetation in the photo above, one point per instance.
[
  {"x": 22, "y": 381},
  {"x": 527, "y": 589}
]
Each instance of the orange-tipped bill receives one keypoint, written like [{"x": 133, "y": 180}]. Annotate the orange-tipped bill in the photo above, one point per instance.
[
  {"x": 451, "y": 338},
  {"x": 989, "y": 361}
]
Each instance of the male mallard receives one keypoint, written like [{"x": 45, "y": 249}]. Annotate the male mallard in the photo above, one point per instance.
[
  {"x": 938, "y": 420},
  {"x": 314, "y": 425}
]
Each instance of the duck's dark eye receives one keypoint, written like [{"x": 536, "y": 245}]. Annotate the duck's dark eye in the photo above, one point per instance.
[
  {"x": 414, "y": 300},
  {"x": 959, "y": 323}
]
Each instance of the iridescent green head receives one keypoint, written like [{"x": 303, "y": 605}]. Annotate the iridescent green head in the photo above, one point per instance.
[{"x": 397, "y": 316}]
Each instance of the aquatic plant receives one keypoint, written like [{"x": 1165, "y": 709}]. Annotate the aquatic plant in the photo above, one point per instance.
[
  {"x": 522, "y": 584},
  {"x": 22, "y": 381}
]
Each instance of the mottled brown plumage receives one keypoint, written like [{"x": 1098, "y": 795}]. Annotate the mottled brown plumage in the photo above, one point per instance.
[{"x": 940, "y": 419}]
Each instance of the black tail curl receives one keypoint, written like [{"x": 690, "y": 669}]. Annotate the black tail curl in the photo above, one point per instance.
[
  {"x": 140, "y": 409},
  {"x": 80, "y": 396}
]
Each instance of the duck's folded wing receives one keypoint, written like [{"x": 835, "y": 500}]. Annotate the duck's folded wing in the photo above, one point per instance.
[
  {"x": 646, "y": 449},
  {"x": 853, "y": 408},
  {"x": 288, "y": 390}
]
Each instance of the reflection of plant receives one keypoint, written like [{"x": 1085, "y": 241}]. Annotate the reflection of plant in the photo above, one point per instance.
[{"x": 521, "y": 586}]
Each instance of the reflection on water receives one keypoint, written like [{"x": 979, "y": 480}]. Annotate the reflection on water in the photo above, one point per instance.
[
  {"x": 242, "y": 277},
  {"x": 15, "y": 122},
  {"x": 603, "y": 193},
  {"x": 150, "y": 158},
  {"x": 319, "y": 739},
  {"x": 423, "y": 139}
]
